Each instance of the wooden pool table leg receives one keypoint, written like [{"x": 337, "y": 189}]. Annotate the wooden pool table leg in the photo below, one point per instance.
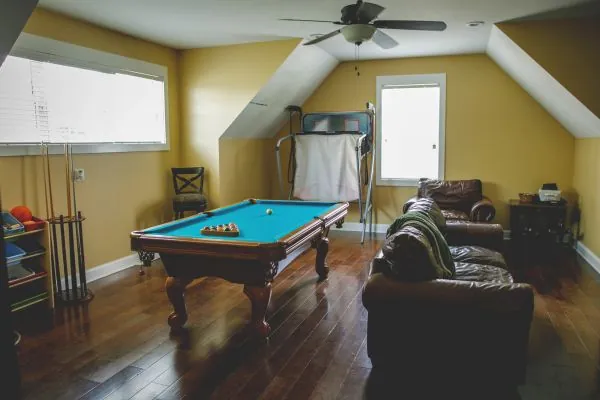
[
  {"x": 322, "y": 246},
  {"x": 259, "y": 297},
  {"x": 175, "y": 288}
]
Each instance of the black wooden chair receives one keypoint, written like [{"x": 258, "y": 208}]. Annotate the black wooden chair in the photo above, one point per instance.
[{"x": 188, "y": 184}]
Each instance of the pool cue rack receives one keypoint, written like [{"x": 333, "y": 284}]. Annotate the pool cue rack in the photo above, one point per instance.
[
  {"x": 69, "y": 265},
  {"x": 67, "y": 253}
]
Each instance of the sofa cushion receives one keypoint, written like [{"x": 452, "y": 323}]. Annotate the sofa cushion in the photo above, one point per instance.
[
  {"x": 410, "y": 256},
  {"x": 477, "y": 255},
  {"x": 455, "y": 215},
  {"x": 482, "y": 273}
]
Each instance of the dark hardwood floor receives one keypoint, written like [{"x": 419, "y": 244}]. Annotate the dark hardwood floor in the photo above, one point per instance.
[{"x": 119, "y": 347}]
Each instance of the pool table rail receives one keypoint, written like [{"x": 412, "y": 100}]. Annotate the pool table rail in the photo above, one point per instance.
[{"x": 320, "y": 223}]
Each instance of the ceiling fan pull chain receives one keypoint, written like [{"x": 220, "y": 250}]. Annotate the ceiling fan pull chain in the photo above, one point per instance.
[{"x": 357, "y": 58}]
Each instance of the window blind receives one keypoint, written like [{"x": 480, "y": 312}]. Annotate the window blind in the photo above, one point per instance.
[{"x": 55, "y": 103}]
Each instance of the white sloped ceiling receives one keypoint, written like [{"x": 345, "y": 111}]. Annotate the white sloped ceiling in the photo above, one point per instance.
[
  {"x": 554, "y": 97},
  {"x": 293, "y": 82}
]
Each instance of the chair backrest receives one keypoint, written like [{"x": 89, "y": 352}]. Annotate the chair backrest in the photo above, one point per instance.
[
  {"x": 458, "y": 195},
  {"x": 188, "y": 180}
]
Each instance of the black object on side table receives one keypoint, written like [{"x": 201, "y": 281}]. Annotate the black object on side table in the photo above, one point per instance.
[{"x": 537, "y": 228}]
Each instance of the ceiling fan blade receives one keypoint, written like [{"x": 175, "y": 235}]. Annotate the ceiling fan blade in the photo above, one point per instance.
[
  {"x": 411, "y": 25},
  {"x": 384, "y": 40},
  {"x": 367, "y": 12},
  {"x": 324, "y": 37},
  {"x": 308, "y": 20}
]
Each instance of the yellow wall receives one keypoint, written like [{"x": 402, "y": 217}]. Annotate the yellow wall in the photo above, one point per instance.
[
  {"x": 246, "y": 169},
  {"x": 494, "y": 130},
  {"x": 568, "y": 49},
  {"x": 587, "y": 183},
  {"x": 216, "y": 84},
  {"x": 122, "y": 192}
]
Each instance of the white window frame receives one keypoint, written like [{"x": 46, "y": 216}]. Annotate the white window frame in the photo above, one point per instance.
[
  {"x": 411, "y": 80},
  {"x": 49, "y": 50}
]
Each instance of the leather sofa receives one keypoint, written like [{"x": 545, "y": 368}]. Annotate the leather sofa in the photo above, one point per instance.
[
  {"x": 470, "y": 332},
  {"x": 460, "y": 200}
]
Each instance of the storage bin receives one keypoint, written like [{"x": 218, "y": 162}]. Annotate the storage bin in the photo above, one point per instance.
[
  {"x": 13, "y": 253},
  {"x": 10, "y": 224},
  {"x": 37, "y": 224}
]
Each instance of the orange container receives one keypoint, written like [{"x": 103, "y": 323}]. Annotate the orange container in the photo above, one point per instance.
[{"x": 34, "y": 224}]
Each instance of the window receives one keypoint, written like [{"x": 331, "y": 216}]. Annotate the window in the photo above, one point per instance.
[
  {"x": 68, "y": 94},
  {"x": 411, "y": 122}
]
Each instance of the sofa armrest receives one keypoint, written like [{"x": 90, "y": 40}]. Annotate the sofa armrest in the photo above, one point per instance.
[
  {"x": 379, "y": 264},
  {"x": 490, "y": 236},
  {"x": 448, "y": 295},
  {"x": 483, "y": 211},
  {"x": 421, "y": 329},
  {"x": 409, "y": 203}
]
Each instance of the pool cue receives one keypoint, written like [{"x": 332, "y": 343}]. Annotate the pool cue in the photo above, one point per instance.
[
  {"x": 82, "y": 254},
  {"x": 67, "y": 177},
  {"x": 45, "y": 182},
  {"x": 53, "y": 223},
  {"x": 73, "y": 268},
  {"x": 48, "y": 213},
  {"x": 77, "y": 215},
  {"x": 63, "y": 243}
]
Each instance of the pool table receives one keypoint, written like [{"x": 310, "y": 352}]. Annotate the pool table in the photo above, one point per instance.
[{"x": 267, "y": 242}]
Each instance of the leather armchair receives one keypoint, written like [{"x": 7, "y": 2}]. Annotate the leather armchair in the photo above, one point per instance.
[
  {"x": 460, "y": 200},
  {"x": 471, "y": 331}
]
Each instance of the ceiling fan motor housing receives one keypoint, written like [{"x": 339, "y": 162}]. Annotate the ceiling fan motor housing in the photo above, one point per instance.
[{"x": 358, "y": 33}]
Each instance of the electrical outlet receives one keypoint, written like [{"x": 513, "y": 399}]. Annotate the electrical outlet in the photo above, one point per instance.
[{"x": 78, "y": 175}]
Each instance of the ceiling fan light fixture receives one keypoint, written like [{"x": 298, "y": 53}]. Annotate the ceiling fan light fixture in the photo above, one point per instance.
[{"x": 358, "y": 33}]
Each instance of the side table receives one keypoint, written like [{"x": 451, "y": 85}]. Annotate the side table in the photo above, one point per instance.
[{"x": 537, "y": 227}]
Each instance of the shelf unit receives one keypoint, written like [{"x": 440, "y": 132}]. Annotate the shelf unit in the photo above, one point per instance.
[{"x": 38, "y": 287}]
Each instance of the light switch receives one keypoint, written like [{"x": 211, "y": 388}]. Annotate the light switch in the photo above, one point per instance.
[{"x": 78, "y": 175}]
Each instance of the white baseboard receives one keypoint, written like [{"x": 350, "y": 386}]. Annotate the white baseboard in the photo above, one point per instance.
[
  {"x": 357, "y": 227},
  {"x": 112, "y": 267},
  {"x": 588, "y": 256},
  {"x": 109, "y": 268}
]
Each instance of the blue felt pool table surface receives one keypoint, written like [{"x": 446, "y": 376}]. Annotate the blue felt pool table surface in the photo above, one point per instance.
[{"x": 254, "y": 223}]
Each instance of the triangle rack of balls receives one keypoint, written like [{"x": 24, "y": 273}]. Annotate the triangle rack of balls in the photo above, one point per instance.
[{"x": 229, "y": 229}]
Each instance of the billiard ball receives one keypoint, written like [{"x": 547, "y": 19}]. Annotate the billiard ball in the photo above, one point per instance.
[{"x": 269, "y": 211}]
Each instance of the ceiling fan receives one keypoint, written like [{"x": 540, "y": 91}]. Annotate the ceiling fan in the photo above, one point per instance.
[{"x": 360, "y": 25}]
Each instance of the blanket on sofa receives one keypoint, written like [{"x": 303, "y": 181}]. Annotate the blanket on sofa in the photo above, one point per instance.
[{"x": 442, "y": 256}]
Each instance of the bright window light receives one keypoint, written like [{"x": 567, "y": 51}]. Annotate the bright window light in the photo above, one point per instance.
[{"x": 411, "y": 129}]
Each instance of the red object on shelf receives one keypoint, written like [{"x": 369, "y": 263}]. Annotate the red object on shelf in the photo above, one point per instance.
[
  {"x": 22, "y": 213},
  {"x": 34, "y": 224}
]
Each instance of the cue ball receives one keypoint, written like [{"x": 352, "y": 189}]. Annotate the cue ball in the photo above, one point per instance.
[{"x": 269, "y": 211}]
